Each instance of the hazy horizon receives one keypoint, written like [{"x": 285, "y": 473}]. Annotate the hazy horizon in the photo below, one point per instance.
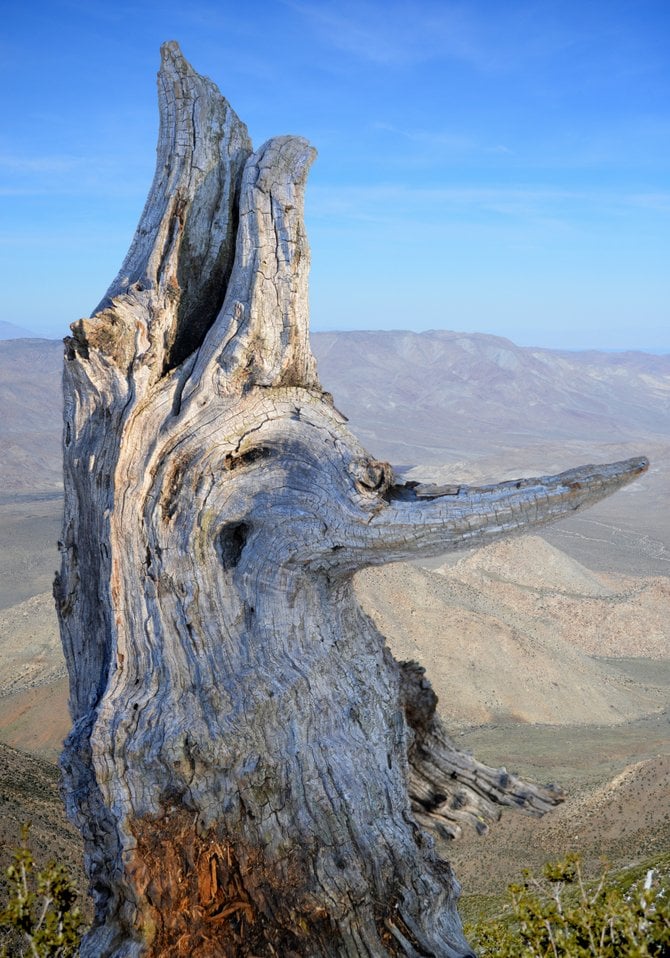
[{"x": 23, "y": 333}]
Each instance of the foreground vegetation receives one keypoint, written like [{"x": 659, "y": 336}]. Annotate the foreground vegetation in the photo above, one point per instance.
[
  {"x": 40, "y": 918},
  {"x": 561, "y": 915},
  {"x": 557, "y": 915}
]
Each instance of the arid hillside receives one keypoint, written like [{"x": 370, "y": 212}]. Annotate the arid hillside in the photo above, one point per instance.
[
  {"x": 517, "y": 632},
  {"x": 498, "y": 648},
  {"x": 447, "y": 407},
  {"x": 550, "y": 654},
  {"x": 30, "y": 425},
  {"x": 12, "y": 331},
  {"x": 472, "y": 394},
  {"x": 462, "y": 407},
  {"x": 435, "y": 398}
]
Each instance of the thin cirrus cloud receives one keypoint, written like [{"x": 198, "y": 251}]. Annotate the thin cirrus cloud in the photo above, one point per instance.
[
  {"x": 488, "y": 38},
  {"x": 657, "y": 202},
  {"x": 384, "y": 202},
  {"x": 403, "y": 34},
  {"x": 443, "y": 141},
  {"x": 458, "y": 142},
  {"x": 28, "y": 165},
  {"x": 69, "y": 175}
]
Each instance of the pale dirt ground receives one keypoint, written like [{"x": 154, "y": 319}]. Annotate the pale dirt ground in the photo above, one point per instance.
[
  {"x": 617, "y": 808},
  {"x": 29, "y": 530}
]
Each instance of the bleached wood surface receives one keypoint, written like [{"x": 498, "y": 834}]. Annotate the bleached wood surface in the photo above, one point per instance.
[{"x": 249, "y": 766}]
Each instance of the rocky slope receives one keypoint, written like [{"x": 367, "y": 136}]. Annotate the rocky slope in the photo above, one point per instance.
[
  {"x": 504, "y": 651},
  {"x": 469, "y": 394},
  {"x": 532, "y": 582},
  {"x": 515, "y": 632},
  {"x": 617, "y": 809}
]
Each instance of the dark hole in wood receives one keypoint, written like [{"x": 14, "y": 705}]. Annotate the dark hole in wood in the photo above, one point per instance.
[
  {"x": 201, "y": 294},
  {"x": 373, "y": 477},
  {"x": 173, "y": 489},
  {"x": 433, "y": 801},
  {"x": 401, "y": 492},
  {"x": 230, "y": 543},
  {"x": 247, "y": 458}
]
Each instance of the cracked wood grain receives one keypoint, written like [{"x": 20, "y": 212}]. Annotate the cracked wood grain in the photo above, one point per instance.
[{"x": 252, "y": 772}]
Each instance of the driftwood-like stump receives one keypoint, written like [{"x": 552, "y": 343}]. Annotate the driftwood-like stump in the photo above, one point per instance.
[{"x": 252, "y": 772}]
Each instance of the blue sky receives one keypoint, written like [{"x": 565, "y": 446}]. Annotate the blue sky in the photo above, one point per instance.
[{"x": 489, "y": 165}]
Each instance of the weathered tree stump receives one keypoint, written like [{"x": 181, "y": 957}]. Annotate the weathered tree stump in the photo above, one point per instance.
[{"x": 249, "y": 766}]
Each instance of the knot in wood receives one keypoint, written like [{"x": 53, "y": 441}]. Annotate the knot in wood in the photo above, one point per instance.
[{"x": 371, "y": 475}]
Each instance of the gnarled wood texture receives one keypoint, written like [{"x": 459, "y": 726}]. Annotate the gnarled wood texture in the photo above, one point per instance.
[{"x": 250, "y": 768}]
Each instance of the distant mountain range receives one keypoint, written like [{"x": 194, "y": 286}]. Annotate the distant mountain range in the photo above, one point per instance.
[
  {"x": 470, "y": 394},
  {"x": 10, "y": 331},
  {"x": 456, "y": 406},
  {"x": 30, "y": 423}
]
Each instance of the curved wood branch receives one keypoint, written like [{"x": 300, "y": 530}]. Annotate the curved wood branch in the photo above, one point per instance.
[
  {"x": 248, "y": 764},
  {"x": 449, "y": 788}
]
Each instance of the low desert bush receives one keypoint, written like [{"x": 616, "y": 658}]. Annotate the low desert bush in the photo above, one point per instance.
[
  {"x": 560, "y": 915},
  {"x": 40, "y": 918}
]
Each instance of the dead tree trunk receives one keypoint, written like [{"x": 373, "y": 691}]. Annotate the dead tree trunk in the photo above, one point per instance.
[{"x": 250, "y": 768}]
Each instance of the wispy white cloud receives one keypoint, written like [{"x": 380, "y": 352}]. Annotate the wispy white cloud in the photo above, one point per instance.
[
  {"x": 487, "y": 37},
  {"x": 459, "y": 142},
  {"x": 63, "y": 163},
  {"x": 402, "y": 194},
  {"x": 556, "y": 209},
  {"x": 64, "y": 174},
  {"x": 500, "y": 149},
  {"x": 397, "y": 32},
  {"x": 443, "y": 141},
  {"x": 658, "y": 202}
]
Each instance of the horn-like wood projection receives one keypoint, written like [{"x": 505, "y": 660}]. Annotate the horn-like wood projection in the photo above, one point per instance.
[{"x": 250, "y": 768}]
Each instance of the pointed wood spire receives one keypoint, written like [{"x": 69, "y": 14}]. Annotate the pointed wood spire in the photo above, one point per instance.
[{"x": 173, "y": 280}]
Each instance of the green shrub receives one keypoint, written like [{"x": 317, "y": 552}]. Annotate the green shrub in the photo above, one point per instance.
[
  {"x": 561, "y": 916},
  {"x": 41, "y": 917}
]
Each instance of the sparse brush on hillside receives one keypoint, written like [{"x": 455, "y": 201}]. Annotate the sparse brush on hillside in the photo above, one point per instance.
[
  {"x": 40, "y": 918},
  {"x": 560, "y": 915}
]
